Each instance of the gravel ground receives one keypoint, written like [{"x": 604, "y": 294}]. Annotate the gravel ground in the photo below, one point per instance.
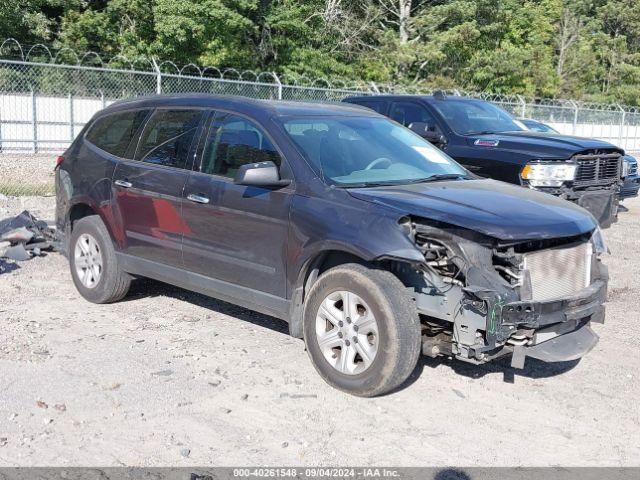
[
  {"x": 22, "y": 174},
  {"x": 168, "y": 377}
]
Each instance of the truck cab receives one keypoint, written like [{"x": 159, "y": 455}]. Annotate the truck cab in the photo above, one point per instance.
[{"x": 492, "y": 144}]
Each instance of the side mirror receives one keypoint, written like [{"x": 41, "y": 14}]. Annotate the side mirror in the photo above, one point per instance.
[
  {"x": 422, "y": 129},
  {"x": 262, "y": 174}
]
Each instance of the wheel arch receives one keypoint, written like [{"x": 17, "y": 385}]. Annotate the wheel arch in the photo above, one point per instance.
[
  {"x": 319, "y": 263},
  {"x": 81, "y": 208}
]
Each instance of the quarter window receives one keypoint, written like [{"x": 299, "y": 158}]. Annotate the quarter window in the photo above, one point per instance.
[
  {"x": 167, "y": 138},
  {"x": 113, "y": 133},
  {"x": 234, "y": 141}
]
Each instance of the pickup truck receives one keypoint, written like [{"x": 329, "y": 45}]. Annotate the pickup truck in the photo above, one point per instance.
[{"x": 491, "y": 143}]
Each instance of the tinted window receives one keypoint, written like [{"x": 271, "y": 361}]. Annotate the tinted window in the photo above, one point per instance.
[
  {"x": 234, "y": 141},
  {"x": 375, "y": 106},
  {"x": 361, "y": 151},
  {"x": 167, "y": 138},
  {"x": 408, "y": 113},
  {"x": 113, "y": 133}
]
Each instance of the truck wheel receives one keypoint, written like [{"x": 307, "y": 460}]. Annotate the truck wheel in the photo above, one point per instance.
[
  {"x": 94, "y": 266},
  {"x": 361, "y": 329}
]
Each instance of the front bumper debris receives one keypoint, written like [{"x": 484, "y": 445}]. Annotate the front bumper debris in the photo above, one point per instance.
[
  {"x": 602, "y": 204},
  {"x": 562, "y": 348}
]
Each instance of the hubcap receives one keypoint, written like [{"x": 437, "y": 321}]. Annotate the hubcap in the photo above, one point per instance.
[
  {"x": 347, "y": 332},
  {"x": 88, "y": 260}
]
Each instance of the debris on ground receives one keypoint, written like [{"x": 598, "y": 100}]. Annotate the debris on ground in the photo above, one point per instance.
[{"x": 24, "y": 236}]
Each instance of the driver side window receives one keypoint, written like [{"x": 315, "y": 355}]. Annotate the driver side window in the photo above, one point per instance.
[
  {"x": 234, "y": 141},
  {"x": 407, "y": 113}
]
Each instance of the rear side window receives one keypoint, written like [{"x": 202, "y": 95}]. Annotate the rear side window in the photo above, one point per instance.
[
  {"x": 113, "y": 133},
  {"x": 167, "y": 138},
  {"x": 234, "y": 141}
]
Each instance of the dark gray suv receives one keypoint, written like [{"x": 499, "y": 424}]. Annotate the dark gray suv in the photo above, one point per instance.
[{"x": 373, "y": 244}]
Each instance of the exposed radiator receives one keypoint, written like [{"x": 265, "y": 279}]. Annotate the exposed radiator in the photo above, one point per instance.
[{"x": 559, "y": 272}]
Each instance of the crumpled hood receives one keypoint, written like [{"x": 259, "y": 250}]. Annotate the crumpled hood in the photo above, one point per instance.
[
  {"x": 542, "y": 145},
  {"x": 499, "y": 210}
]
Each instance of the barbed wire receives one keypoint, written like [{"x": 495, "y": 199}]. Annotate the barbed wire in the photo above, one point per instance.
[{"x": 12, "y": 49}]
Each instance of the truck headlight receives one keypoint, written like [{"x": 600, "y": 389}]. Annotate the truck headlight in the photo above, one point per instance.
[
  {"x": 597, "y": 239},
  {"x": 548, "y": 174},
  {"x": 626, "y": 166}
]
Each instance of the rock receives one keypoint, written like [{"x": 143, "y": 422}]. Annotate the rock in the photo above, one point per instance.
[
  {"x": 42, "y": 404},
  {"x": 285, "y": 444},
  {"x": 458, "y": 393},
  {"x": 225, "y": 410},
  {"x": 47, "y": 421},
  {"x": 245, "y": 396},
  {"x": 185, "y": 452}
]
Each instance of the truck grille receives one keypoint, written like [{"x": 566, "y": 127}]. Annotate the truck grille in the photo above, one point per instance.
[
  {"x": 559, "y": 272},
  {"x": 597, "y": 168}
]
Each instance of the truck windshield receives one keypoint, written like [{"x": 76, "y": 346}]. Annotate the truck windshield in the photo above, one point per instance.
[
  {"x": 364, "y": 151},
  {"x": 473, "y": 117}
]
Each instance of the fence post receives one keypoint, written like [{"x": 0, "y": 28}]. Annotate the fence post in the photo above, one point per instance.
[
  {"x": 279, "y": 83},
  {"x": 34, "y": 120},
  {"x": 622, "y": 120},
  {"x": 576, "y": 109},
  {"x": 158, "y": 76},
  {"x": 71, "y": 120},
  {"x": 375, "y": 88},
  {"x": 103, "y": 101},
  {"x": 523, "y": 106}
]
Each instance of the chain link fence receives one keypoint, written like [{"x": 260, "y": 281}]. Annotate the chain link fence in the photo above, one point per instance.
[{"x": 46, "y": 99}]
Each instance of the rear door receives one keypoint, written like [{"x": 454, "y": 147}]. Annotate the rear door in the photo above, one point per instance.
[
  {"x": 233, "y": 233},
  {"x": 148, "y": 188}
]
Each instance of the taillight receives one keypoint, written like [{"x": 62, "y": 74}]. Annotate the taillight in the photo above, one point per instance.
[{"x": 59, "y": 161}]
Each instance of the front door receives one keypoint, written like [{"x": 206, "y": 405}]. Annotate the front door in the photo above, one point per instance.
[
  {"x": 233, "y": 233},
  {"x": 148, "y": 188}
]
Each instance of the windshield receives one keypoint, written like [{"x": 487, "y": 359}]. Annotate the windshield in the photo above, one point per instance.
[
  {"x": 351, "y": 151},
  {"x": 536, "y": 126},
  {"x": 469, "y": 117}
]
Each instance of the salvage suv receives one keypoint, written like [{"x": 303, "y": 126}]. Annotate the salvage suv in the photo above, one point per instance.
[
  {"x": 374, "y": 245},
  {"x": 489, "y": 142}
]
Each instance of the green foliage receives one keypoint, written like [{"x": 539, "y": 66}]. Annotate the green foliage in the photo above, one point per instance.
[{"x": 587, "y": 49}]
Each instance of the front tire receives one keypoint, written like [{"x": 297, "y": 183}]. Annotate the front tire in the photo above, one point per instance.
[
  {"x": 94, "y": 266},
  {"x": 362, "y": 330}
]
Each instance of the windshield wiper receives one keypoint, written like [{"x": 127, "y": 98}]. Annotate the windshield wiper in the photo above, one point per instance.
[
  {"x": 444, "y": 176},
  {"x": 482, "y": 132},
  {"x": 390, "y": 183}
]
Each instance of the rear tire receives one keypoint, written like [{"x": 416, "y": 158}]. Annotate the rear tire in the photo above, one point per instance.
[
  {"x": 94, "y": 265},
  {"x": 389, "y": 344}
]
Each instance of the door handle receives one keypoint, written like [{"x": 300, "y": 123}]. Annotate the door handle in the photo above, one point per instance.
[
  {"x": 198, "y": 198},
  {"x": 123, "y": 183}
]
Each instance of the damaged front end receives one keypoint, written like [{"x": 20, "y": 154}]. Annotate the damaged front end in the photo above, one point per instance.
[{"x": 480, "y": 298}]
